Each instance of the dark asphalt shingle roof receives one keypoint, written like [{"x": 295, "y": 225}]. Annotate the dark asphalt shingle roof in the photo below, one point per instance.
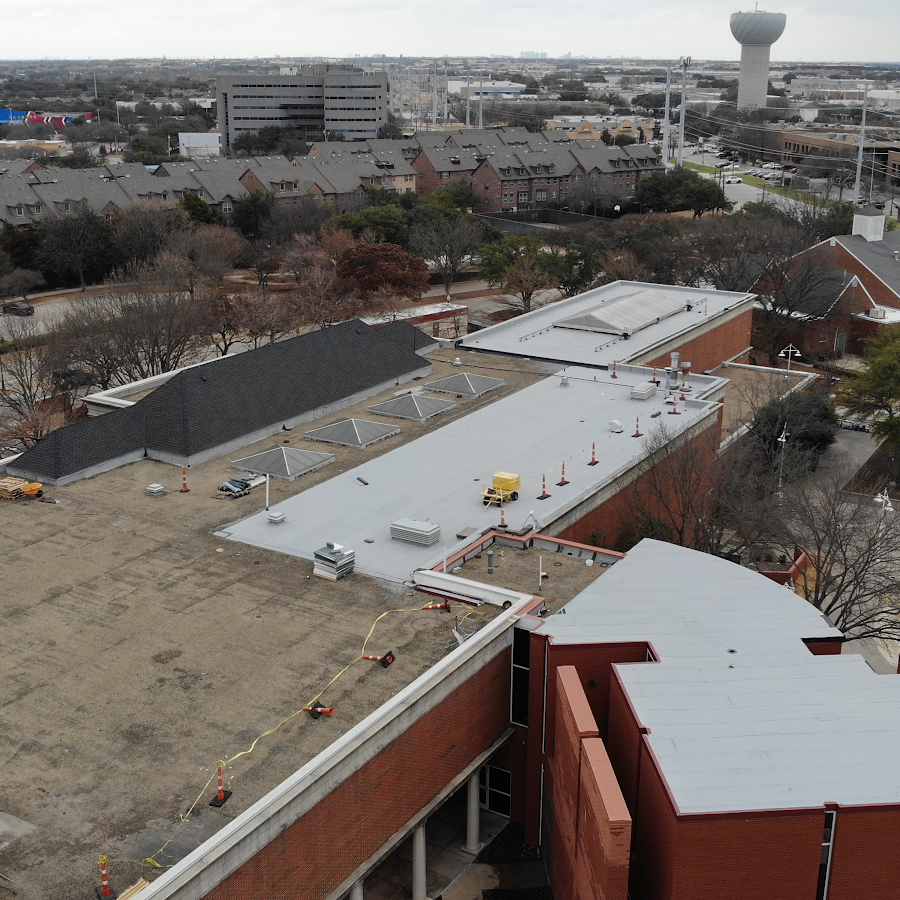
[
  {"x": 206, "y": 406},
  {"x": 203, "y": 407},
  {"x": 877, "y": 256},
  {"x": 83, "y": 445},
  {"x": 407, "y": 335}
]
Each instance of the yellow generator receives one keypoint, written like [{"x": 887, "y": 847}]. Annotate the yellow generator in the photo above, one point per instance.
[{"x": 505, "y": 487}]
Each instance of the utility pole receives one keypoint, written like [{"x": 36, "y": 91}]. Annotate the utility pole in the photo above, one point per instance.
[
  {"x": 666, "y": 145},
  {"x": 434, "y": 93},
  {"x": 446, "y": 94},
  {"x": 685, "y": 63},
  {"x": 481, "y": 101},
  {"x": 468, "y": 99},
  {"x": 862, "y": 144}
]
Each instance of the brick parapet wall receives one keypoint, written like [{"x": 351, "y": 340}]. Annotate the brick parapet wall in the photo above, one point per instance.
[
  {"x": 591, "y": 824},
  {"x": 367, "y": 808}
]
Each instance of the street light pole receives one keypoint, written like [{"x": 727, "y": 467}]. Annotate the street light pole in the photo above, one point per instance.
[{"x": 789, "y": 352}]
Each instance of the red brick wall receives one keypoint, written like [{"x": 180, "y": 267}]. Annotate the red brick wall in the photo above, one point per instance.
[
  {"x": 715, "y": 346},
  {"x": 865, "y": 862},
  {"x": 487, "y": 184},
  {"x": 610, "y": 522},
  {"x": 307, "y": 858},
  {"x": 428, "y": 179},
  {"x": 593, "y": 662},
  {"x": 846, "y": 262},
  {"x": 591, "y": 825},
  {"x": 705, "y": 858}
]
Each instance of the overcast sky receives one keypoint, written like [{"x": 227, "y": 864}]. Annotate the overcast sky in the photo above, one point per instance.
[{"x": 863, "y": 30}]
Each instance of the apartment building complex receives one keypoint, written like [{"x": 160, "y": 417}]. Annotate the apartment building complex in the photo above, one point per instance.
[{"x": 316, "y": 100}]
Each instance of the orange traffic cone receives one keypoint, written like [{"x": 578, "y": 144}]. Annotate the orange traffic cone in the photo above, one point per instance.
[{"x": 221, "y": 794}]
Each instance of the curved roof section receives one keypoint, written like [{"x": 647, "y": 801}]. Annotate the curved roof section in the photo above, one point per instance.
[
  {"x": 741, "y": 715},
  {"x": 625, "y": 315}
]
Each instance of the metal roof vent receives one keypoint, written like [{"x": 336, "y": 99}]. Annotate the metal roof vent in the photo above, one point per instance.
[
  {"x": 643, "y": 391},
  {"x": 564, "y": 381},
  {"x": 615, "y": 426}
]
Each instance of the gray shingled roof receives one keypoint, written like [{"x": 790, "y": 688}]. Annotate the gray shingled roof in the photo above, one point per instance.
[
  {"x": 205, "y": 407},
  {"x": 357, "y": 433},
  {"x": 408, "y": 335},
  {"x": 877, "y": 256}
]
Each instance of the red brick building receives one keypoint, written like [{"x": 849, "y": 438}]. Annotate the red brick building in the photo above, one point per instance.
[
  {"x": 682, "y": 730},
  {"x": 863, "y": 298}
]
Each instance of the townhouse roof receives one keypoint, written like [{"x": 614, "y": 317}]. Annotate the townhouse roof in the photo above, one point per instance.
[
  {"x": 741, "y": 716},
  {"x": 19, "y": 166}
]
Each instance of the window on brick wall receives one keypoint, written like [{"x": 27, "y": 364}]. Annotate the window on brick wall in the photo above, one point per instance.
[
  {"x": 521, "y": 654},
  {"x": 825, "y": 860}
]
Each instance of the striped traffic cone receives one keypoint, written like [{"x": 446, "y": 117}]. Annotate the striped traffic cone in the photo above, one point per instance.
[
  {"x": 614, "y": 371},
  {"x": 184, "y": 488},
  {"x": 221, "y": 794},
  {"x": 385, "y": 660},
  {"x": 444, "y": 605},
  {"x": 594, "y": 460},
  {"x": 544, "y": 495},
  {"x": 317, "y": 710},
  {"x": 502, "y": 516},
  {"x": 563, "y": 482},
  {"x": 104, "y": 890},
  {"x": 674, "y": 410},
  {"x": 637, "y": 427}
]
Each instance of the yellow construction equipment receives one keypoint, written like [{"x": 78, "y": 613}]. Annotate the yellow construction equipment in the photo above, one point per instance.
[{"x": 505, "y": 487}]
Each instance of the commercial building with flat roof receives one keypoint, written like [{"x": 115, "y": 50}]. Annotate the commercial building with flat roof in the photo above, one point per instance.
[
  {"x": 629, "y": 321},
  {"x": 567, "y": 420},
  {"x": 683, "y": 729},
  {"x": 316, "y": 100}
]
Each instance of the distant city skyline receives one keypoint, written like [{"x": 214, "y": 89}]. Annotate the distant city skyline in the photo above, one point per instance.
[{"x": 827, "y": 31}]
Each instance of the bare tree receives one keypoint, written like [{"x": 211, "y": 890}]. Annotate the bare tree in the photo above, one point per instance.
[
  {"x": 142, "y": 230},
  {"x": 449, "y": 244},
  {"x": 791, "y": 290},
  {"x": 852, "y": 573},
  {"x": 74, "y": 243},
  {"x": 26, "y": 385},
  {"x": 152, "y": 322},
  {"x": 211, "y": 249}
]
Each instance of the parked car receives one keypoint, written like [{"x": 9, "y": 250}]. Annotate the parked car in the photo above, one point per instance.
[
  {"x": 723, "y": 165},
  {"x": 754, "y": 172},
  {"x": 733, "y": 179},
  {"x": 18, "y": 308}
]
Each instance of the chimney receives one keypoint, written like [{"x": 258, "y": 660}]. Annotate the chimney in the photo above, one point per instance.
[{"x": 868, "y": 222}]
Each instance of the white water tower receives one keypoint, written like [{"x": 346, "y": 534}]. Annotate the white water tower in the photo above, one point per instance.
[{"x": 756, "y": 32}]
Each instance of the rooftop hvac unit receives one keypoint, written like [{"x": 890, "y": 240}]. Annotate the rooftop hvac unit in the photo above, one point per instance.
[
  {"x": 643, "y": 391},
  {"x": 413, "y": 532},
  {"x": 877, "y": 313}
]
